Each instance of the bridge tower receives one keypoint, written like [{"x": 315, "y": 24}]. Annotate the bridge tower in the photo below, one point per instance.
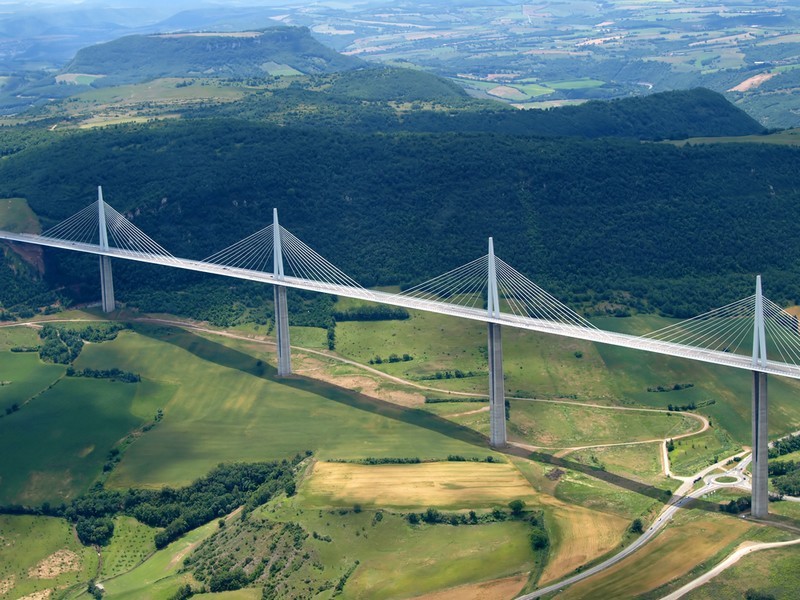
[
  {"x": 106, "y": 279},
  {"x": 759, "y": 468},
  {"x": 281, "y": 306},
  {"x": 497, "y": 397}
]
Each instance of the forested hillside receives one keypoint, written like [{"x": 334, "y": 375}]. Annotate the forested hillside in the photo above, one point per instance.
[
  {"x": 365, "y": 100},
  {"x": 678, "y": 229}
]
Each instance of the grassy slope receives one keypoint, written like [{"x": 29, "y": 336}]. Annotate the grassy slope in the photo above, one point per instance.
[
  {"x": 24, "y": 376},
  {"x": 695, "y": 537},
  {"x": 16, "y": 215},
  {"x": 224, "y": 410},
  {"x": 775, "y": 572},
  {"x": 27, "y": 541},
  {"x": 131, "y": 544},
  {"x": 158, "y": 578},
  {"x": 55, "y": 446}
]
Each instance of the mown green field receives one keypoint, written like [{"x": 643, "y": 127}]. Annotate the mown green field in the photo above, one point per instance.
[
  {"x": 230, "y": 407},
  {"x": 22, "y": 377},
  {"x": 55, "y": 446}
]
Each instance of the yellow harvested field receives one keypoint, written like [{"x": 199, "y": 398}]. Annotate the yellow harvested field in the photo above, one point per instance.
[
  {"x": 497, "y": 589},
  {"x": 583, "y": 536},
  {"x": 672, "y": 554},
  {"x": 454, "y": 485}
]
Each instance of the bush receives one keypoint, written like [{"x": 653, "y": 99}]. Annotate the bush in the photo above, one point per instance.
[{"x": 516, "y": 506}]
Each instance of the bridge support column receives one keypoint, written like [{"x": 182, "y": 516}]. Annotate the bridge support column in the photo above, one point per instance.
[
  {"x": 106, "y": 285},
  {"x": 106, "y": 279},
  {"x": 282, "y": 332},
  {"x": 281, "y": 306},
  {"x": 759, "y": 464},
  {"x": 497, "y": 396},
  {"x": 759, "y": 468}
]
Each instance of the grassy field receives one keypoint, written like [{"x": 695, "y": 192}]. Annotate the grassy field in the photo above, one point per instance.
[
  {"x": 730, "y": 389},
  {"x": 131, "y": 544},
  {"x": 775, "y": 572},
  {"x": 17, "y": 216},
  {"x": 552, "y": 425},
  {"x": 55, "y": 446},
  {"x": 40, "y": 553},
  {"x": 451, "y": 485},
  {"x": 640, "y": 462},
  {"x": 229, "y": 406},
  {"x": 23, "y": 377},
  {"x": 692, "y": 454},
  {"x": 397, "y": 560},
  {"x": 158, "y": 577},
  {"x": 695, "y": 537}
]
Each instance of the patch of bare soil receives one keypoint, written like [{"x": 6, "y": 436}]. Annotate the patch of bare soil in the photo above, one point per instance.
[
  {"x": 61, "y": 561},
  {"x": 753, "y": 82},
  {"x": 6, "y": 585},
  {"x": 42, "y": 595}
]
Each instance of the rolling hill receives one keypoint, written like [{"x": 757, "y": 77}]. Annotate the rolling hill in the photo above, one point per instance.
[{"x": 239, "y": 54}]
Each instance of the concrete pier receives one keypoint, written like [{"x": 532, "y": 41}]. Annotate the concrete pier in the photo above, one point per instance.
[
  {"x": 282, "y": 332},
  {"x": 106, "y": 285},
  {"x": 758, "y": 466},
  {"x": 497, "y": 396}
]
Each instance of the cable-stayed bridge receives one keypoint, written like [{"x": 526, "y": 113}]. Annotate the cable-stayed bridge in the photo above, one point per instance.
[{"x": 487, "y": 289}]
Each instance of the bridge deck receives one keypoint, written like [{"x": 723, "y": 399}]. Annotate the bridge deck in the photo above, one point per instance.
[{"x": 573, "y": 331}]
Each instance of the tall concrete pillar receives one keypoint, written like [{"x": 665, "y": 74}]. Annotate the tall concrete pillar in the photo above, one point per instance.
[
  {"x": 281, "y": 306},
  {"x": 282, "y": 331},
  {"x": 759, "y": 465},
  {"x": 106, "y": 279},
  {"x": 106, "y": 285},
  {"x": 497, "y": 396}
]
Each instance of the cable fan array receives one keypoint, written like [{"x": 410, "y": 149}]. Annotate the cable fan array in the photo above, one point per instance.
[
  {"x": 467, "y": 286},
  {"x": 255, "y": 253},
  {"x": 84, "y": 227},
  {"x": 730, "y": 329}
]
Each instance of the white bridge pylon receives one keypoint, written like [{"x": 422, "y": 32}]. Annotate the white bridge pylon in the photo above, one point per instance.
[{"x": 100, "y": 225}]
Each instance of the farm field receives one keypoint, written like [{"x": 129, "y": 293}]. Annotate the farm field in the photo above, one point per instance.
[
  {"x": 451, "y": 485},
  {"x": 695, "y": 537},
  {"x": 775, "y": 572}
]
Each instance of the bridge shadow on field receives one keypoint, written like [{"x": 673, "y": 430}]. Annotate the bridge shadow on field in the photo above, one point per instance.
[
  {"x": 234, "y": 359},
  {"x": 644, "y": 489}
]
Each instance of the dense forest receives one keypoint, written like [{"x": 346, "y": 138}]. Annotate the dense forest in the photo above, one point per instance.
[
  {"x": 366, "y": 100},
  {"x": 648, "y": 225}
]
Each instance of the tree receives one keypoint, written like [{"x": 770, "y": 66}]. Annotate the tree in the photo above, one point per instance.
[
  {"x": 516, "y": 506},
  {"x": 637, "y": 526}
]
